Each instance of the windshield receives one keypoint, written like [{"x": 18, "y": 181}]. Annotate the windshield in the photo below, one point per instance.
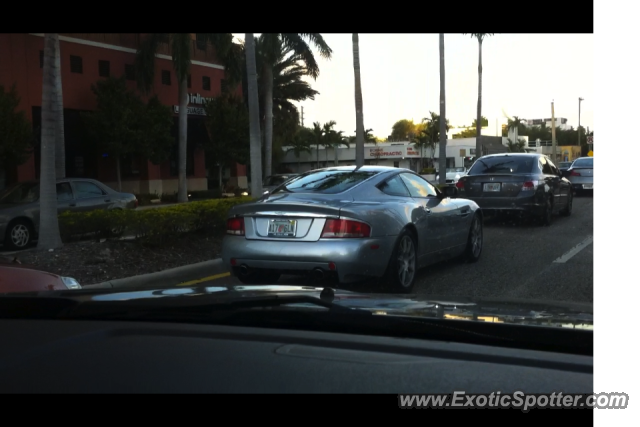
[
  {"x": 374, "y": 193},
  {"x": 503, "y": 165},
  {"x": 327, "y": 182},
  {"x": 20, "y": 193},
  {"x": 583, "y": 163}
]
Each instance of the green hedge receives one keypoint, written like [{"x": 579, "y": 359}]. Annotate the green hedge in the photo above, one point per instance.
[{"x": 150, "y": 226}]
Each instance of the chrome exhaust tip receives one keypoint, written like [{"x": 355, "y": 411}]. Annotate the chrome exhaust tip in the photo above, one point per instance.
[{"x": 244, "y": 270}]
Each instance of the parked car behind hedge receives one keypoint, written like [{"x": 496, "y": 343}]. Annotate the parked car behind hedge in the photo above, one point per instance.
[{"x": 20, "y": 207}]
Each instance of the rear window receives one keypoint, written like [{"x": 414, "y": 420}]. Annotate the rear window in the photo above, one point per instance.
[
  {"x": 503, "y": 164},
  {"x": 583, "y": 163},
  {"x": 326, "y": 182},
  {"x": 21, "y": 193}
]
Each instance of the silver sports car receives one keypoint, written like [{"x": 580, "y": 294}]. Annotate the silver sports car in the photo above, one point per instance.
[{"x": 352, "y": 224}]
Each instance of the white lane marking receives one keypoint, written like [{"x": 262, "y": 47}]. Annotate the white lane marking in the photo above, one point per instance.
[{"x": 580, "y": 246}]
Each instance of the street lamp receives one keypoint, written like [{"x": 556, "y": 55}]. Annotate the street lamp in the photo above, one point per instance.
[{"x": 579, "y": 102}]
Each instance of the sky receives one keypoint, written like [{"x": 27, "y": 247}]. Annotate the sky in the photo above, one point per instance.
[{"x": 522, "y": 75}]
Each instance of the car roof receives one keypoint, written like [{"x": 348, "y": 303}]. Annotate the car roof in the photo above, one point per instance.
[
  {"x": 365, "y": 168},
  {"x": 515, "y": 155},
  {"x": 35, "y": 181}
]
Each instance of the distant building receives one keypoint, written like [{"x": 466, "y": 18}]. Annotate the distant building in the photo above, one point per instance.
[
  {"x": 403, "y": 154},
  {"x": 561, "y": 123},
  {"x": 85, "y": 59}
]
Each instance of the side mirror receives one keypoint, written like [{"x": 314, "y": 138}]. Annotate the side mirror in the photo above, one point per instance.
[{"x": 449, "y": 191}]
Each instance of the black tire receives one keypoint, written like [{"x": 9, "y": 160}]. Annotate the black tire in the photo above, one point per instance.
[
  {"x": 474, "y": 242},
  {"x": 406, "y": 242},
  {"x": 567, "y": 210},
  {"x": 546, "y": 216},
  {"x": 19, "y": 234},
  {"x": 258, "y": 277}
]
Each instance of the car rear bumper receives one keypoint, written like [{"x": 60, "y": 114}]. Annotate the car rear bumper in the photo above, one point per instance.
[
  {"x": 582, "y": 184},
  {"x": 530, "y": 203},
  {"x": 354, "y": 259}
]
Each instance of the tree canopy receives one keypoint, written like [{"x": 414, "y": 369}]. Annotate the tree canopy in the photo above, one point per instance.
[{"x": 16, "y": 134}]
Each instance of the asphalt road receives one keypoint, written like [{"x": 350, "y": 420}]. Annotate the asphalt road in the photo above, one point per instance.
[{"x": 520, "y": 260}]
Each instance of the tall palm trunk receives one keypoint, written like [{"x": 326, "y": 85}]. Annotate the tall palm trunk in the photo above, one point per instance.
[
  {"x": 443, "y": 119},
  {"x": 268, "y": 118},
  {"x": 49, "y": 233},
  {"x": 358, "y": 94},
  {"x": 254, "y": 117},
  {"x": 119, "y": 173},
  {"x": 479, "y": 118},
  {"x": 182, "y": 141},
  {"x": 59, "y": 135}
]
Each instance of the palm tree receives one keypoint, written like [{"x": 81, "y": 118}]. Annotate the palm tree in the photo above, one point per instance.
[
  {"x": 271, "y": 45},
  {"x": 443, "y": 125},
  {"x": 60, "y": 149},
  {"x": 181, "y": 52},
  {"x": 254, "y": 116},
  {"x": 480, "y": 37},
  {"x": 288, "y": 87},
  {"x": 318, "y": 133},
  {"x": 515, "y": 123},
  {"x": 359, "y": 117},
  {"x": 49, "y": 233},
  {"x": 301, "y": 143},
  {"x": 516, "y": 147}
]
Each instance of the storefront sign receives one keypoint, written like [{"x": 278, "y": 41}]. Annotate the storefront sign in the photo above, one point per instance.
[
  {"x": 196, "y": 98},
  {"x": 391, "y": 152},
  {"x": 192, "y": 111}
]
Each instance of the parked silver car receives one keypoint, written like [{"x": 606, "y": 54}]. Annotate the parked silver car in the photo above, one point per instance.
[
  {"x": 352, "y": 224},
  {"x": 20, "y": 208},
  {"x": 580, "y": 174}
]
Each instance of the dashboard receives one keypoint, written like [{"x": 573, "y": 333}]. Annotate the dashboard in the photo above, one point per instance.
[{"x": 79, "y": 356}]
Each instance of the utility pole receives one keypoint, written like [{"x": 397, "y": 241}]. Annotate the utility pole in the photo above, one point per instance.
[
  {"x": 579, "y": 102},
  {"x": 553, "y": 134},
  {"x": 302, "y": 116}
]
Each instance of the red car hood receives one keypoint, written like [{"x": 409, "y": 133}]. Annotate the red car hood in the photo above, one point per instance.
[{"x": 21, "y": 278}]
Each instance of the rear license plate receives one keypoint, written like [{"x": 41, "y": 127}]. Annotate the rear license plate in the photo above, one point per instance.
[
  {"x": 282, "y": 228},
  {"x": 492, "y": 187},
  {"x": 587, "y": 186}
]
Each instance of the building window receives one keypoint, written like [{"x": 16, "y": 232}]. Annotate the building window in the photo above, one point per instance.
[
  {"x": 103, "y": 68},
  {"x": 166, "y": 77},
  {"x": 41, "y": 58},
  {"x": 201, "y": 42},
  {"x": 76, "y": 64},
  {"x": 396, "y": 164},
  {"x": 189, "y": 81},
  {"x": 129, "y": 72},
  {"x": 206, "y": 83},
  {"x": 223, "y": 86}
]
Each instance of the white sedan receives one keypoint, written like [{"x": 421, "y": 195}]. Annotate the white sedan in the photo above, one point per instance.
[{"x": 453, "y": 174}]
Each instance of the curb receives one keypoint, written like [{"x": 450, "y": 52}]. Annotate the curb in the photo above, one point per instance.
[{"x": 166, "y": 278}]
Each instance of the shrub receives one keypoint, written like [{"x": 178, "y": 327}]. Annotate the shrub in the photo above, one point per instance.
[
  {"x": 150, "y": 226},
  {"x": 428, "y": 171},
  {"x": 205, "y": 194}
]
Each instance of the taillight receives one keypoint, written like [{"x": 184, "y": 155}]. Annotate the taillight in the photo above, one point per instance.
[
  {"x": 460, "y": 185},
  {"x": 574, "y": 173},
  {"x": 235, "y": 226},
  {"x": 339, "y": 228},
  {"x": 529, "y": 185}
]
